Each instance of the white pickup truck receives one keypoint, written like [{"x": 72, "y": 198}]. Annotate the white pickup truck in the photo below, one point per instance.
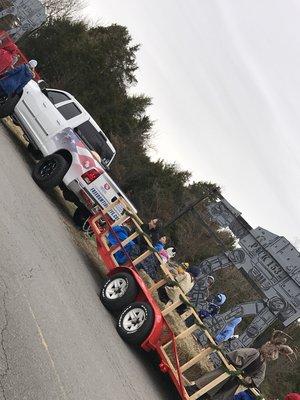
[{"x": 76, "y": 152}]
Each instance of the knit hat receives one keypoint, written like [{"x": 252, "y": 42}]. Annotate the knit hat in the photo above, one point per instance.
[
  {"x": 292, "y": 396},
  {"x": 219, "y": 299},
  {"x": 185, "y": 265},
  {"x": 32, "y": 64}
]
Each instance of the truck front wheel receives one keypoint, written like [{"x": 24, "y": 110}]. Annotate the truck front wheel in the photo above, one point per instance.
[
  {"x": 118, "y": 291},
  {"x": 49, "y": 171},
  {"x": 135, "y": 323}
]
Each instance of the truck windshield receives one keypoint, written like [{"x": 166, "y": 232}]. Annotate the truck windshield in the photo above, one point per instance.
[{"x": 96, "y": 141}]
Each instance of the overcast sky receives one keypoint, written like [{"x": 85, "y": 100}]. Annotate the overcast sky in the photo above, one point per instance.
[{"x": 224, "y": 77}]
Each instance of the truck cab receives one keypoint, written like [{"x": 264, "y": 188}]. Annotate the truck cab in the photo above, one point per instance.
[
  {"x": 44, "y": 113},
  {"x": 76, "y": 152}
]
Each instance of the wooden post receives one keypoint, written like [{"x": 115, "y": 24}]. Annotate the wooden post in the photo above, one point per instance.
[
  {"x": 210, "y": 386},
  {"x": 111, "y": 206},
  {"x": 204, "y": 353},
  {"x": 157, "y": 285},
  {"x": 184, "y": 334},
  {"x": 121, "y": 220},
  {"x": 142, "y": 257},
  {"x": 171, "y": 307}
]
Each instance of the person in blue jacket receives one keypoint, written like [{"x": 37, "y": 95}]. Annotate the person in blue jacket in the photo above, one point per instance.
[
  {"x": 15, "y": 79},
  {"x": 118, "y": 234},
  {"x": 213, "y": 307},
  {"x": 228, "y": 331},
  {"x": 247, "y": 395}
]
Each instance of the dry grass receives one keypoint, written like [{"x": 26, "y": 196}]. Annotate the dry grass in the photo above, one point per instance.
[{"x": 188, "y": 347}]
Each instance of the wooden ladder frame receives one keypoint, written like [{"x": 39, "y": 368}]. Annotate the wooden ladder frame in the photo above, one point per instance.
[{"x": 129, "y": 214}]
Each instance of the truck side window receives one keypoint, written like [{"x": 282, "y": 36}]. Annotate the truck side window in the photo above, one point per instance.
[
  {"x": 69, "y": 110},
  {"x": 56, "y": 97}
]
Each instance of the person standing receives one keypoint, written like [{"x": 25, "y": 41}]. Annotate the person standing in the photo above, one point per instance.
[
  {"x": 151, "y": 229},
  {"x": 14, "y": 80},
  {"x": 252, "y": 362}
]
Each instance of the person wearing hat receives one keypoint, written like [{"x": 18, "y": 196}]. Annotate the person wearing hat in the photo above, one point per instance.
[
  {"x": 15, "y": 79},
  {"x": 152, "y": 229},
  {"x": 151, "y": 264},
  {"x": 250, "y": 361},
  {"x": 213, "y": 307},
  {"x": 211, "y": 310}
]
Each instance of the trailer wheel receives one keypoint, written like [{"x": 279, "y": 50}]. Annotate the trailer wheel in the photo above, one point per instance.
[
  {"x": 49, "y": 171},
  {"x": 118, "y": 291},
  {"x": 135, "y": 323}
]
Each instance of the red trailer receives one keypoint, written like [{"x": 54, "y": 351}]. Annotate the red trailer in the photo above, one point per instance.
[{"x": 140, "y": 321}]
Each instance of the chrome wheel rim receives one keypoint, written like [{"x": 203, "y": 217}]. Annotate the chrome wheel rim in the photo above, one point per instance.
[
  {"x": 47, "y": 168},
  {"x": 134, "y": 319},
  {"x": 116, "y": 288}
]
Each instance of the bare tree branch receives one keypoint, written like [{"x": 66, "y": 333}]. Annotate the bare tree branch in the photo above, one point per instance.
[{"x": 63, "y": 8}]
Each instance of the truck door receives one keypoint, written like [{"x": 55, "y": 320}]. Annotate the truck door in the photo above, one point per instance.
[{"x": 49, "y": 116}]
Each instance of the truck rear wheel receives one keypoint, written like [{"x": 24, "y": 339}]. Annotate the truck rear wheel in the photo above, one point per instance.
[
  {"x": 135, "y": 323},
  {"x": 49, "y": 171},
  {"x": 118, "y": 291},
  {"x": 80, "y": 216}
]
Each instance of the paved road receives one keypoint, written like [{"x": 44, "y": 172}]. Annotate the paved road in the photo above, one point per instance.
[{"x": 56, "y": 340}]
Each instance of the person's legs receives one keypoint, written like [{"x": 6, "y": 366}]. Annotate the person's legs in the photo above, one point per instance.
[{"x": 3, "y": 95}]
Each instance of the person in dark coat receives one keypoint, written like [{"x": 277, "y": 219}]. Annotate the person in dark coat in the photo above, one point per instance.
[
  {"x": 15, "y": 79},
  {"x": 151, "y": 229},
  {"x": 151, "y": 264},
  {"x": 252, "y": 362}
]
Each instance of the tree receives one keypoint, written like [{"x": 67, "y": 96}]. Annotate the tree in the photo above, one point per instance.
[{"x": 63, "y": 8}]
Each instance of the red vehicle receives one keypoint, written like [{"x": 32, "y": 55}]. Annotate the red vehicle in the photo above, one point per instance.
[{"x": 140, "y": 321}]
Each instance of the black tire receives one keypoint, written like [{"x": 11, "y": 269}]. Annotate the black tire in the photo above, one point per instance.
[
  {"x": 37, "y": 154},
  {"x": 136, "y": 336},
  {"x": 49, "y": 171},
  {"x": 8, "y": 107},
  {"x": 81, "y": 215},
  {"x": 70, "y": 196},
  {"x": 115, "y": 296}
]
